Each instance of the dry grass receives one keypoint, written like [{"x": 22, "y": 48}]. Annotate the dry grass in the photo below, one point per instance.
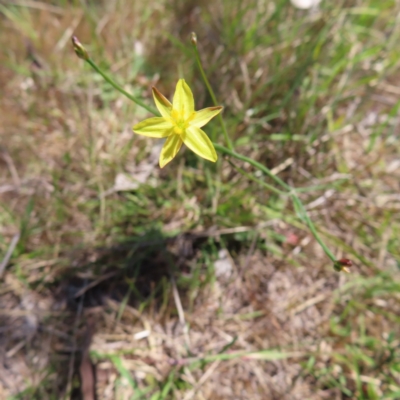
[{"x": 196, "y": 283}]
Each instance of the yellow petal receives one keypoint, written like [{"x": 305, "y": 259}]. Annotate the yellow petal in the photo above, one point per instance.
[
  {"x": 170, "y": 149},
  {"x": 156, "y": 127},
  {"x": 203, "y": 116},
  {"x": 183, "y": 101},
  {"x": 199, "y": 143},
  {"x": 162, "y": 103}
]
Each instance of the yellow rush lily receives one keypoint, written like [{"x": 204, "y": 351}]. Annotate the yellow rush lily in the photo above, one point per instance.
[{"x": 179, "y": 123}]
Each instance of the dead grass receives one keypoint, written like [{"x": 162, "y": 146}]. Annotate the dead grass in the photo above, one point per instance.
[{"x": 193, "y": 282}]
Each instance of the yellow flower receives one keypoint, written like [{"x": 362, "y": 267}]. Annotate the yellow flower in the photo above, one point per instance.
[{"x": 179, "y": 123}]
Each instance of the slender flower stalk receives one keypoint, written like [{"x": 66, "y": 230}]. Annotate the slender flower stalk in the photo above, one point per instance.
[
  {"x": 298, "y": 205},
  {"x": 81, "y": 52},
  {"x": 257, "y": 180},
  {"x": 209, "y": 88}
]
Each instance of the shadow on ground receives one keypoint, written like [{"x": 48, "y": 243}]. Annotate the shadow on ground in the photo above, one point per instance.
[{"x": 89, "y": 291}]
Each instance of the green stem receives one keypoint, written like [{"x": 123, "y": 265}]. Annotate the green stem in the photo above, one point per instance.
[
  {"x": 259, "y": 181},
  {"x": 254, "y": 163},
  {"x": 120, "y": 89},
  {"x": 303, "y": 215},
  {"x": 296, "y": 201},
  {"x": 212, "y": 94}
]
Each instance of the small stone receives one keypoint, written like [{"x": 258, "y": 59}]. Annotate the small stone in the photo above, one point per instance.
[
  {"x": 305, "y": 4},
  {"x": 223, "y": 266}
]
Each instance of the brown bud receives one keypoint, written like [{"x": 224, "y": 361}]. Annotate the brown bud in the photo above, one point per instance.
[
  {"x": 193, "y": 38},
  {"x": 342, "y": 265},
  {"x": 79, "y": 49}
]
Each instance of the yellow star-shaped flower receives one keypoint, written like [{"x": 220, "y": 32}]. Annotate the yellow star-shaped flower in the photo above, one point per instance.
[{"x": 179, "y": 123}]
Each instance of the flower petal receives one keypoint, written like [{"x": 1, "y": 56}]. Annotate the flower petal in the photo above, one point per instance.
[
  {"x": 203, "y": 116},
  {"x": 170, "y": 149},
  {"x": 162, "y": 103},
  {"x": 156, "y": 127},
  {"x": 183, "y": 101},
  {"x": 199, "y": 143}
]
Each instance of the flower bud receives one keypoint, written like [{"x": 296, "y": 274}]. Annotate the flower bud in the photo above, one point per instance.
[
  {"x": 342, "y": 265},
  {"x": 193, "y": 38},
  {"x": 79, "y": 49}
]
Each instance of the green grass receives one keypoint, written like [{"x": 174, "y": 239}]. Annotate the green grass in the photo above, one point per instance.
[{"x": 315, "y": 93}]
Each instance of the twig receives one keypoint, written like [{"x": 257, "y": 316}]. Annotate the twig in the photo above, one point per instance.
[
  {"x": 91, "y": 285},
  {"x": 9, "y": 253},
  {"x": 181, "y": 313},
  {"x": 74, "y": 345},
  {"x": 202, "y": 380},
  {"x": 11, "y": 166}
]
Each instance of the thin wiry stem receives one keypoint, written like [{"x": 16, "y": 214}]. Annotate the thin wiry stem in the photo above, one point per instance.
[
  {"x": 259, "y": 181},
  {"x": 298, "y": 205},
  {"x": 120, "y": 89},
  {"x": 210, "y": 90}
]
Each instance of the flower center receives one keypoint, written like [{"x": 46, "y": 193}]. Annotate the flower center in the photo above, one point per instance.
[{"x": 178, "y": 121}]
